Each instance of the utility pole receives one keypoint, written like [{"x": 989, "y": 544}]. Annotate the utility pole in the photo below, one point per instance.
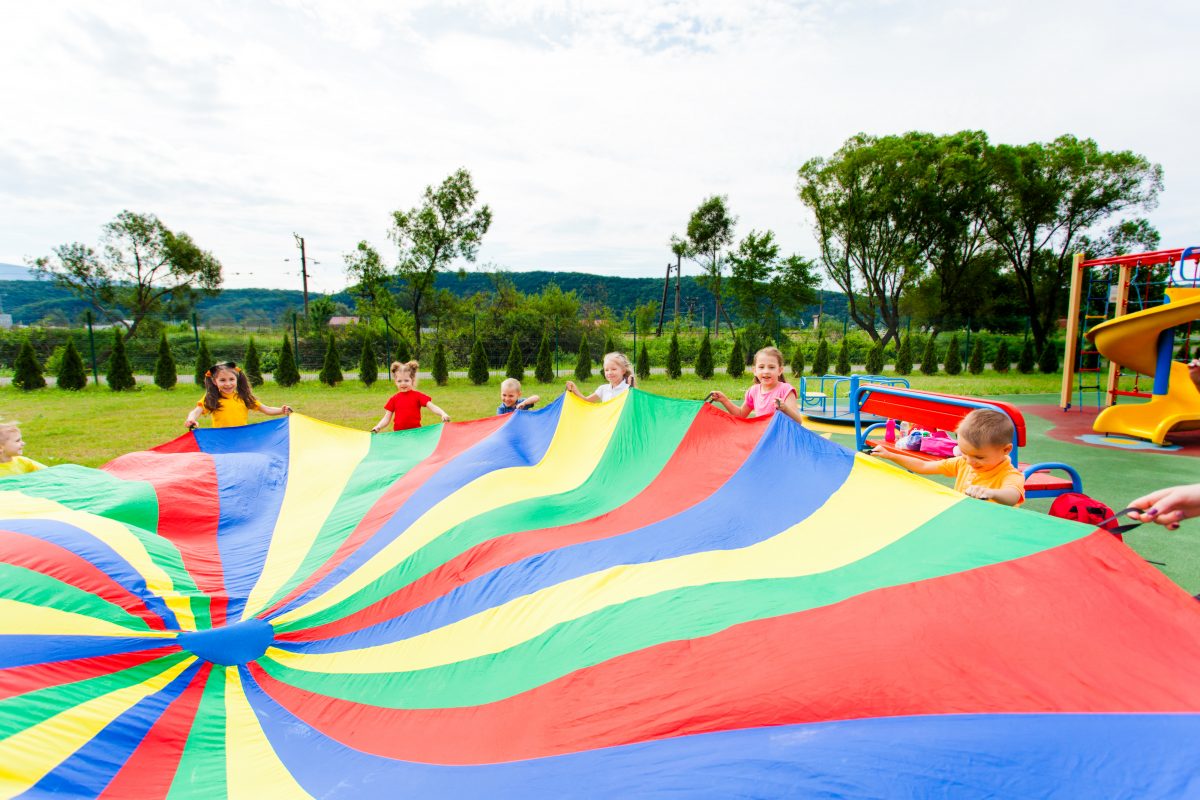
[
  {"x": 303, "y": 269},
  {"x": 678, "y": 272},
  {"x": 662, "y": 308}
]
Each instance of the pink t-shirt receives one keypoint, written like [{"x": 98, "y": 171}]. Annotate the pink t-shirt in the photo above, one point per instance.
[{"x": 763, "y": 403}]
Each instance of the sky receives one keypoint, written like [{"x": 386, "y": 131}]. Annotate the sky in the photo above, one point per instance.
[{"x": 591, "y": 129}]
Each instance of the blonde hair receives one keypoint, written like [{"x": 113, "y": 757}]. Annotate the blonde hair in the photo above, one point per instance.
[
  {"x": 510, "y": 383},
  {"x": 986, "y": 427},
  {"x": 623, "y": 361},
  {"x": 9, "y": 426},
  {"x": 774, "y": 353},
  {"x": 409, "y": 367}
]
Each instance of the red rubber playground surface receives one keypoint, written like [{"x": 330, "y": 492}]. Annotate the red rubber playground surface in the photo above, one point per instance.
[{"x": 1075, "y": 427}]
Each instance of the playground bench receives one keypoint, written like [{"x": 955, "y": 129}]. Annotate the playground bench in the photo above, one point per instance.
[{"x": 934, "y": 411}]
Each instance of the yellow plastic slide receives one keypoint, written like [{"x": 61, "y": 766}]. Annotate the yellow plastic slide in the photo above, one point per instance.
[{"x": 1132, "y": 342}]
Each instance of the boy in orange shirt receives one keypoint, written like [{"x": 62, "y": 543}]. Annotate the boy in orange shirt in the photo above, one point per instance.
[{"x": 984, "y": 470}]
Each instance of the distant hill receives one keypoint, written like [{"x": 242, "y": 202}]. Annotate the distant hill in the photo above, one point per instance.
[
  {"x": 14, "y": 272},
  {"x": 33, "y": 301}
]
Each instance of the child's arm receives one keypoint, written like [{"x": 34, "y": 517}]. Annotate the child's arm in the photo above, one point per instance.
[
  {"x": 445, "y": 417},
  {"x": 788, "y": 406},
  {"x": 529, "y": 402},
  {"x": 730, "y": 406},
  {"x": 591, "y": 398},
  {"x": 1006, "y": 495},
  {"x": 193, "y": 418},
  {"x": 910, "y": 463},
  {"x": 275, "y": 411},
  {"x": 383, "y": 423}
]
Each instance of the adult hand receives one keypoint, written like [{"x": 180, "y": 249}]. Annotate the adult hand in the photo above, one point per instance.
[{"x": 1168, "y": 506}]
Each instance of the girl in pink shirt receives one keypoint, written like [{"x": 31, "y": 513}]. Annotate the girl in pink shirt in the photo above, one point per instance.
[{"x": 769, "y": 391}]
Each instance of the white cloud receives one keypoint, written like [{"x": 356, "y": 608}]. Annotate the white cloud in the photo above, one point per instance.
[{"x": 592, "y": 129}]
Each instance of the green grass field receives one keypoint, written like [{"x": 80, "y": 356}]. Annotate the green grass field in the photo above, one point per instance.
[{"x": 96, "y": 425}]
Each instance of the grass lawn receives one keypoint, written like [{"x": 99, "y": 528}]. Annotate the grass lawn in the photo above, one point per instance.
[{"x": 93, "y": 426}]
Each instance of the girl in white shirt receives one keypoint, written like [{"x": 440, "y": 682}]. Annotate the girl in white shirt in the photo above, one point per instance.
[{"x": 619, "y": 374}]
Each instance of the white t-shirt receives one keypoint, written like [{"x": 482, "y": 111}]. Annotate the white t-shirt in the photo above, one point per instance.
[{"x": 608, "y": 391}]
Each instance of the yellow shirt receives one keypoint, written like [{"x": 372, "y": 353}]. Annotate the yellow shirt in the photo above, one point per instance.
[
  {"x": 1002, "y": 476},
  {"x": 232, "y": 411},
  {"x": 18, "y": 466}
]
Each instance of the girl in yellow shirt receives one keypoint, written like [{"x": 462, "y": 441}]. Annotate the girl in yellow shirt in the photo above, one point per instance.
[{"x": 227, "y": 397}]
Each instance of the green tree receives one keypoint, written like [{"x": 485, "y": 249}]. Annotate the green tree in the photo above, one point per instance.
[
  {"x": 1048, "y": 360},
  {"x": 583, "y": 365},
  {"x": 27, "y": 371},
  {"x": 904, "y": 356},
  {"x": 71, "y": 372},
  {"x": 331, "y": 368},
  {"x": 368, "y": 362},
  {"x": 709, "y": 234},
  {"x": 515, "y": 368},
  {"x": 144, "y": 269},
  {"x": 477, "y": 370},
  {"x": 447, "y": 225},
  {"x": 843, "y": 359},
  {"x": 929, "y": 359},
  {"x": 704, "y": 359},
  {"x": 610, "y": 345},
  {"x": 1003, "y": 360},
  {"x": 544, "y": 371},
  {"x": 875, "y": 359},
  {"x": 203, "y": 362},
  {"x": 251, "y": 364},
  {"x": 441, "y": 372},
  {"x": 798, "y": 360},
  {"x": 1026, "y": 363},
  {"x": 320, "y": 310},
  {"x": 403, "y": 353},
  {"x": 737, "y": 359},
  {"x": 1043, "y": 201},
  {"x": 821, "y": 359},
  {"x": 120, "y": 374},
  {"x": 286, "y": 373},
  {"x": 762, "y": 285},
  {"x": 976, "y": 364},
  {"x": 643, "y": 363},
  {"x": 953, "y": 363},
  {"x": 165, "y": 376},
  {"x": 674, "y": 364}
]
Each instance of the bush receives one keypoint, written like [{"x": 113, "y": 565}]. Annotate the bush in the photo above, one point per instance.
[
  {"x": 27, "y": 372},
  {"x": 976, "y": 365},
  {"x": 904, "y": 357},
  {"x": 821, "y": 360},
  {"x": 368, "y": 362},
  {"x": 543, "y": 372},
  {"x": 929, "y": 360},
  {"x": 404, "y": 352},
  {"x": 71, "y": 373},
  {"x": 583, "y": 364},
  {"x": 515, "y": 368},
  {"x": 643, "y": 363},
  {"x": 331, "y": 368},
  {"x": 843, "y": 362},
  {"x": 203, "y": 362},
  {"x": 610, "y": 346},
  {"x": 477, "y": 371},
  {"x": 674, "y": 363},
  {"x": 286, "y": 373},
  {"x": 120, "y": 374},
  {"x": 875, "y": 360},
  {"x": 165, "y": 376},
  {"x": 798, "y": 360},
  {"x": 953, "y": 363},
  {"x": 1048, "y": 360},
  {"x": 1003, "y": 360},
  {"x": 737, "y": 360},
  {"x": 251, "y": 365},
  {"x": 441, "y": 373},
  {"x": 704, "y": 361},
  {"x": 1025, "y": 363}
]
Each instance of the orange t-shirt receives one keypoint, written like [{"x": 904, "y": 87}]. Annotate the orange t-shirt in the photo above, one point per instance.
[{"x": 1002, "y": 476}]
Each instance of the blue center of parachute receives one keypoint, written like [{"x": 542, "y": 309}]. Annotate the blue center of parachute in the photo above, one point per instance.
[{"x": 232, "y": 645}]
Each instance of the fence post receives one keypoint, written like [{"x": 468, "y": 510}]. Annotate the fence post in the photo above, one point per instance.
[
  {"x": 196, "y": 331},
  {"x": 92, "y": 343}
]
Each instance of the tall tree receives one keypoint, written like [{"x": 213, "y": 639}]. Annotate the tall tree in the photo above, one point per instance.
[
  {"x": 709, "y": 235},
  {"x": 143, "y": 268},
  {"x": 1046, "y": 198},
  {"x": 763, "y": 285}
]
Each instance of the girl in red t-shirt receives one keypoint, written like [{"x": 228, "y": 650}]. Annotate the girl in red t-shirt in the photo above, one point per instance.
[{"x": 404, "y": 407}]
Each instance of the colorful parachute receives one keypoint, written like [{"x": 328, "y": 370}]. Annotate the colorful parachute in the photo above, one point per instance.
[{"x": 644, "y": 597}]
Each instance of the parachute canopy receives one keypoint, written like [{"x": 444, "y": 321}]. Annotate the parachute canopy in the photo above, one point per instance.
[{"x": 641, "y": 597}]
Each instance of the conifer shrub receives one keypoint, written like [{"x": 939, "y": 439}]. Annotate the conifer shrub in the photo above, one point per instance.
[
  {"x": 798, "y": 360},
  {"x": 875, "y": 359},
  {"x": 821, "y": 359},
  {"x": 286, "y": 373},
  {"x": 515, "y": 368},
  {"x": 674, "y": 363},
  {"x": 704, "y": 359},
  {"x": 477, "y": 370},
  {"x": 953, "y": 363},
  {"x": 583, "y": 364},
  {"x": 904, "y": 356},
  {"x": 737, "y": 360},
  {"x": 441, "y": 371},
  {"x": 331, "y": 368},
  {"x": 1003, "y": 361},
  {"x": 975, "y": 366},
  {"x": 643, "y": 363},
  {"x": 165, "y": 376},
  {"x": 843, "y": 359},
  {"x": 71, "y": 373},
  {"x": 929, "y": 359},
  {"x": 368, "y": 362},
  {"x": 120, "y": 374},
  {"x": 1026, "y": 363},
  {"x": 203, "y": 362},
  {"x": 403, "y": 352},
  {"x": 252, "y": 365},
  {"x": 1048, "y": 360},
  {"x": 27, "y": 370},
  {"x": 543, "y": 371}
]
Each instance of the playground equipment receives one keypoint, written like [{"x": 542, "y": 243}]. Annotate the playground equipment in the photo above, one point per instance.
[
  {"x": 831, "y": 400},
  {"x": 1167, "y": 296}
]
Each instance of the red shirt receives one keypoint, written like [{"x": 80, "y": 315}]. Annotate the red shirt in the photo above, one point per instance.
[{"x": 406, "y": 409}]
